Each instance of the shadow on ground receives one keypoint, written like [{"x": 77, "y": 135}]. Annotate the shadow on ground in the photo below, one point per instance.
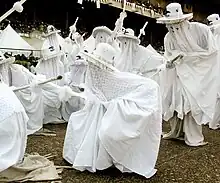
[{"x": 177, "y": 163}]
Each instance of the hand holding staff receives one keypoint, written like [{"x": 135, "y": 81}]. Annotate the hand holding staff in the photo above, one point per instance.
[{"x": 169, "y": 64}]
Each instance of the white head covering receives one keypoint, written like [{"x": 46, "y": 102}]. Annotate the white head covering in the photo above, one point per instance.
[
  {"x": 51, "y": 30},
  {"x": 104, "y": 55},
  {"x": 128, "y": 34},
  {"x": 129, "y": 46},
  {"x": 102, "y": 34},
  {"x": 213, "y": 20},
  {"x": 5, "y": 74},
  {"x": 174, "y": 14}
]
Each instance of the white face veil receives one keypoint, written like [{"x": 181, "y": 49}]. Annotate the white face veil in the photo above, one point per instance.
[
  {"x": 128, "y": 47},
  {"x": 102, "y": 37},
  {"x": 183, "y": 38}
]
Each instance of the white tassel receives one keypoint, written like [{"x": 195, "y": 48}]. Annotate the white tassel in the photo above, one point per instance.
[
  {"x": 80, "y": 1},
  {"x": 124, "y": 7},
  {"x": 142, "y": 10},
  {"x": 18, "y": 7},
  {"x": 133, "y": 7},
  {"x": 66, "y": 93},
  {"x": 97, "y": 3}
]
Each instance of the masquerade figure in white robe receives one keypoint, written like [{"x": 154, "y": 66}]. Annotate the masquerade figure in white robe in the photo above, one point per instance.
[
  {"x": 13, "y": 128},
  {"x": 121, "y": 122},
  {"x": 74, "y": 76},
  {"x": 100, "y": 34},
  {"x": 52, "y": 97},
  {"x": 30, "y": 98},
  {"x": 134, "y": 57},
  {"x": 76, "y": 42},
  {"x": 190, "y": 85},
  {"x": 50, "y": 65},
  {"x": 214, "y": 24}
]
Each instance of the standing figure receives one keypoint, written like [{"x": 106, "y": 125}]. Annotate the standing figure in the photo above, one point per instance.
[
  {"x": 50, "y": 65},
  {"x": 121, "y": 123},
  {"x": 190, "y": 83},
  {"x": 214, "y": 24}
]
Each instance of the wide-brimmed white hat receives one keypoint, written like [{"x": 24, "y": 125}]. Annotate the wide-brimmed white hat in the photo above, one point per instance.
[
  {"x": 174, "y": 14},
  {"x": 213, "y": 19},
  {"x": 103, "y": 55},
  {"x": 129, "y": 34},
  {"x": 51, "y": 30},
  {"x": 101, "y": 29}
]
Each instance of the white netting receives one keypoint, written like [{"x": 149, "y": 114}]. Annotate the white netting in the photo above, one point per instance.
[
  {"x": 9, "y": 103},
  {"x": 106, "y": 85}
]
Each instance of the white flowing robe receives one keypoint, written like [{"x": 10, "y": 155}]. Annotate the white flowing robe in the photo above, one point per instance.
[
  {"x": 13, "y": 128},
  {"x": 215, "y": 123},
  {"x": 32, "y": 98},
  {"x": 192, "y": 84},
  {"x": 136, "y": 58},
  {"x": 121, "y": 124},
  {"x": 216, "y": 33}
]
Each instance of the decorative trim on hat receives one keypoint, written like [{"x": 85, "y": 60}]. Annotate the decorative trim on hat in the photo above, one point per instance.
[
  {"x": 101, "y": 29},
  {"x": 174, "y": 14},
  {"x": 128, "y": 36}
]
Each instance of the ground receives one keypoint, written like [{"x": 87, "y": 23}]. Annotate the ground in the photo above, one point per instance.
[{"x": 177, "y": 163}]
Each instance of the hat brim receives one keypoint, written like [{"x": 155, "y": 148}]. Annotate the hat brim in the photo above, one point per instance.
[
  {"x": 10, "y": 60},
  {"x": 50, "y": 33},
  {"x": 52, "y": 56},
  {"x": 174, "y": 20},
  {"x": 93, "y": 59},
  {"x": 122, "y": 36},
  {"x": 214, "y": 24},
  {"x": 101, "y": 29}
]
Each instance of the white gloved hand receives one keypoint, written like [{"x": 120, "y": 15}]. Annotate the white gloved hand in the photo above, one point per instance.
[
  {"x": 142, "y": 32},
  {"x": 161, "y": 67},
  {"x": 123, "y": 15},
  {"x": 12, "y": 87},
  {"x": 170, "y": 65},
  {"x": 72, "y": 28},
  {"x": 135, "y": 71},
  {"x": 18, "y": 7},
  {"x": 34, "y": 86},
  {"x": 65, "y": 94}
]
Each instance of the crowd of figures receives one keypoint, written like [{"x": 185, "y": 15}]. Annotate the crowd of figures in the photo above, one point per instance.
[{"x": 114, "y": 93}]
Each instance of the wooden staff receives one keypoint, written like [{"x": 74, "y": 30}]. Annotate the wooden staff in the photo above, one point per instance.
[
  {"x": 171, "y": 62},
  {"x": 41, "y": 83}
]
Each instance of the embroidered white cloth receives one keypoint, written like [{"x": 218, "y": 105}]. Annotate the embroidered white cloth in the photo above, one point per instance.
[
  {"x": 121, "y": 124},
  {"x": 13, "y": 125}
]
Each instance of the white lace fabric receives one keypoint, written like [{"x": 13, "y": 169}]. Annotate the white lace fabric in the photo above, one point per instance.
[
  {"x": 106, "y": 85},
  {"x": 9, "y": 102}
]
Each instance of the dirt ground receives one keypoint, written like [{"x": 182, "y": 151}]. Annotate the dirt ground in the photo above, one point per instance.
[{"x": 177, "y": 163}]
